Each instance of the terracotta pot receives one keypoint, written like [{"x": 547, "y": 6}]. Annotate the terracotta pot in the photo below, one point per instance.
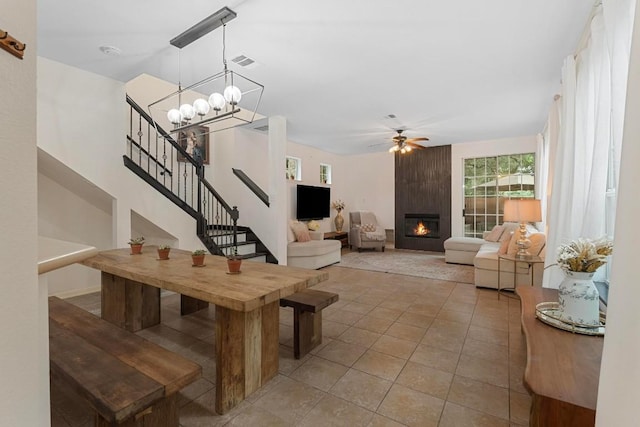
[
  {"x": 163, "y": 253},
  {"x": 233, "y": 264},
  {"x": 197, "y": 259},
  {"x": 136, "y": 249}
]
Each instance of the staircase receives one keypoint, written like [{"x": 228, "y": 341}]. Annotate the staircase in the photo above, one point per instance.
[{"x": 159, "y": 160}]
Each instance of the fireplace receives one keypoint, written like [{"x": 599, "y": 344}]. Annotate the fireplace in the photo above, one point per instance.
[{"x": 422, "y": 225}]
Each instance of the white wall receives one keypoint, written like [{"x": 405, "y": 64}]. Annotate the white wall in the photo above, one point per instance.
[
  {"x": 468, "y": 150},
  {"x": 370, "y": 185},
  {"x": 24, "y": 386},
  {"x": 619, "y": 394},
  {"x": 79, "y": 221},
  {"x": 82, "y": 122}
]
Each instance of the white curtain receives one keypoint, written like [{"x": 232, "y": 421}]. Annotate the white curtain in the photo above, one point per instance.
[
  {"x": 546, "y": 148},
  {"x": 559, "y": 210},
  {"x": 584, "y": 175}
]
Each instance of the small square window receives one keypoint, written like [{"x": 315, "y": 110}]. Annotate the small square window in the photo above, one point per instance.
[
  {"x": 325, "y": 174},
  {"x": 293, "y": 168}
]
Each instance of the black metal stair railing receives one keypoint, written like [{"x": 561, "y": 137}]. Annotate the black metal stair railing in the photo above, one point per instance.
[{"x": 158, "y": 159}]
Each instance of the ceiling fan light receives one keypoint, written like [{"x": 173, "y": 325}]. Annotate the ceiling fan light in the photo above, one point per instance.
[
  {"x": 174, "y": 116},
  {"x": 407, "y": 148},
  {"x": 403, "y": 150},
  {"x": 201, "y": 107},
  {"x": 217, "y": 101},
  {"x": 187, "y": 112},
  {"x": 232, "y": 94}
]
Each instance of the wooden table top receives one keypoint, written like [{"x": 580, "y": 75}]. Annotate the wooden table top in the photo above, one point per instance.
[
  {"x": 560, "y": 365},
  {"x": 257, "y": 284}
]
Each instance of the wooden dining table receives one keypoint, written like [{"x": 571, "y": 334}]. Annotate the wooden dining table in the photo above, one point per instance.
[{"x": 246, "y": 316}]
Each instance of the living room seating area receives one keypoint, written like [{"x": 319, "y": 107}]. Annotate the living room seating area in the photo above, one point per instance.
[{"x": 484, "y": 254}]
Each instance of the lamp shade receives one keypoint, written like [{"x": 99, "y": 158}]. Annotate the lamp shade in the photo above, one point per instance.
[{"x": 522, "y": 210}]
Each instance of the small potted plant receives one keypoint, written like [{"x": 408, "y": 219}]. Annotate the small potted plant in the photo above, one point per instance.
[
  {"x": 136, "y": 245},
  {"x": 234, "y": 261},
  {"x": 197, "y": 257},
  {"x": 163, "y": 251}
]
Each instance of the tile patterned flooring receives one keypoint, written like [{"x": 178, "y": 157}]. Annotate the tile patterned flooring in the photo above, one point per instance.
[{"x": 397, "y": 351}]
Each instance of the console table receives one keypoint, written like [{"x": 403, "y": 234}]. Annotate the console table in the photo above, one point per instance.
[
  {"x": 563, "y": 369},
  {"x": 343, "y": 236}
]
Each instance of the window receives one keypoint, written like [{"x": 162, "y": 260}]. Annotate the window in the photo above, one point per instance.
[
  {"x": 294, "y": 168},
  {"x": 488, "y": 182},
  {"x": 325, "y": 174}
]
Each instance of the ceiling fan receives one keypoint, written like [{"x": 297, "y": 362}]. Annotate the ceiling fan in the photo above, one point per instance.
[{"x": 404, "y": 144}]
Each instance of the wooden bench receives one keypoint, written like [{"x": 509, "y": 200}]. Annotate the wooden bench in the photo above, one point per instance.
[
  {"x": 126, "y": 379},
  {"x": 307, "y": 318}
]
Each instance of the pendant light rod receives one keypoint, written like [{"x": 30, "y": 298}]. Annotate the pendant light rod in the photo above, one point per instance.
[{"x": 203, "y": 27}]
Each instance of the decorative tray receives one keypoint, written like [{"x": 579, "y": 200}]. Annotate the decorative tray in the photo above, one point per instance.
[{"x": 550, "y": 313}]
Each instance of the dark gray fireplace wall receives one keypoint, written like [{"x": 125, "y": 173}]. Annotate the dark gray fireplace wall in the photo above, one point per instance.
[{"x": 423, "y": 185}]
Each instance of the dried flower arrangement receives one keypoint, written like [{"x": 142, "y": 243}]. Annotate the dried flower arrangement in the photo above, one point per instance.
[
  {"x": 338, "y": 205},
  {"x": 584, "y": 255}
]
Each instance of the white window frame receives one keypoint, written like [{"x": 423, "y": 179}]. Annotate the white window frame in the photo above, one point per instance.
[
  {"x": 485, "y": 215},
  {"x": 325, "y": 173},
  {"x": 293, "y": 168}
]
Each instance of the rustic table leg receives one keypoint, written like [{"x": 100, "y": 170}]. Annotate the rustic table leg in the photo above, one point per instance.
[
  {"x": 307, "y": 332},
  {"x": 246, "y": 352},
  {"x": 129, "y": 304},
  {"x": 190, "y": 305}
]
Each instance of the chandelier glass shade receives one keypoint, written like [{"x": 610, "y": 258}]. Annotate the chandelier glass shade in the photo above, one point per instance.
[{"x": 402, "y": 147}]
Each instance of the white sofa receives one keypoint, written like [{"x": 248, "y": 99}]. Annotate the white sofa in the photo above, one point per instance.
[
  {"x": 314, "y": 254},
  {"x": 483, "y": 255}
]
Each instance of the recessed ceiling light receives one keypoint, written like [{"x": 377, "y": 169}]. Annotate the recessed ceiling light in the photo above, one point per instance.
[{"x": 110, "y": 50}]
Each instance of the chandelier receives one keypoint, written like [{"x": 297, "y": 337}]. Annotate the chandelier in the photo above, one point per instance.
[{"x": 221, "y": 101}]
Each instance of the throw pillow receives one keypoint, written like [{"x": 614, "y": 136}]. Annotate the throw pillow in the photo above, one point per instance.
[
  {"x": 290, "y": 236},
  {"x": 509, "y": 227},
  {"x": 301, "y": 232},
  {"x": 504, "y": 245},
  {"x": 495, "y": 233},
  {"x": 368, "y": 228}
]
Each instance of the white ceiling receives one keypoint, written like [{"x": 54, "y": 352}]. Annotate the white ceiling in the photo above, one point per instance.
[{"x": 451, "y": 70}]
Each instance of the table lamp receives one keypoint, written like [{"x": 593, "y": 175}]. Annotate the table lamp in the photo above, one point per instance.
[{"x": 522, "y": 211}]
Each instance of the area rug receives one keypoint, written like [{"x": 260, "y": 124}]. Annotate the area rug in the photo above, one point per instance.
[{"x": 410, "y": 263}]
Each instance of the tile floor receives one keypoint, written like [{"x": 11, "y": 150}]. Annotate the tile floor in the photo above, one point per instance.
[{"x": 397, "y": 350}]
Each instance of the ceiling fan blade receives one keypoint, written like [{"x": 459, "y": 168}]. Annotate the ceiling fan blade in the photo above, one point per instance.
[
  {"x": 378, "y": 144},
  {"x": 417, "y": 139},
  {"x": 415, "y": 146}
]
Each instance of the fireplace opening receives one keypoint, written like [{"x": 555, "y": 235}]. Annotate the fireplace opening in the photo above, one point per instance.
[{"x": 422, "y": 225}]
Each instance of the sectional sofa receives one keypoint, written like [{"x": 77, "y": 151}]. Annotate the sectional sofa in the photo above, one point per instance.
[
  {"x": 313, "y": 253},
  {"x": 483, "y": 255}
]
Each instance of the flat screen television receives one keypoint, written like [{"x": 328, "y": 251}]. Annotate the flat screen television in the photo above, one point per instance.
[{"x": 313, "y": 202}]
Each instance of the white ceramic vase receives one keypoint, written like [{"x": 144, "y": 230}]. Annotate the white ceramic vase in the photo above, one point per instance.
[{"x": 579, "y": 298}]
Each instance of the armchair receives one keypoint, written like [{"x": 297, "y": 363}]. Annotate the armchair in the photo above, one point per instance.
[{"x": 364, "y": 231}]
